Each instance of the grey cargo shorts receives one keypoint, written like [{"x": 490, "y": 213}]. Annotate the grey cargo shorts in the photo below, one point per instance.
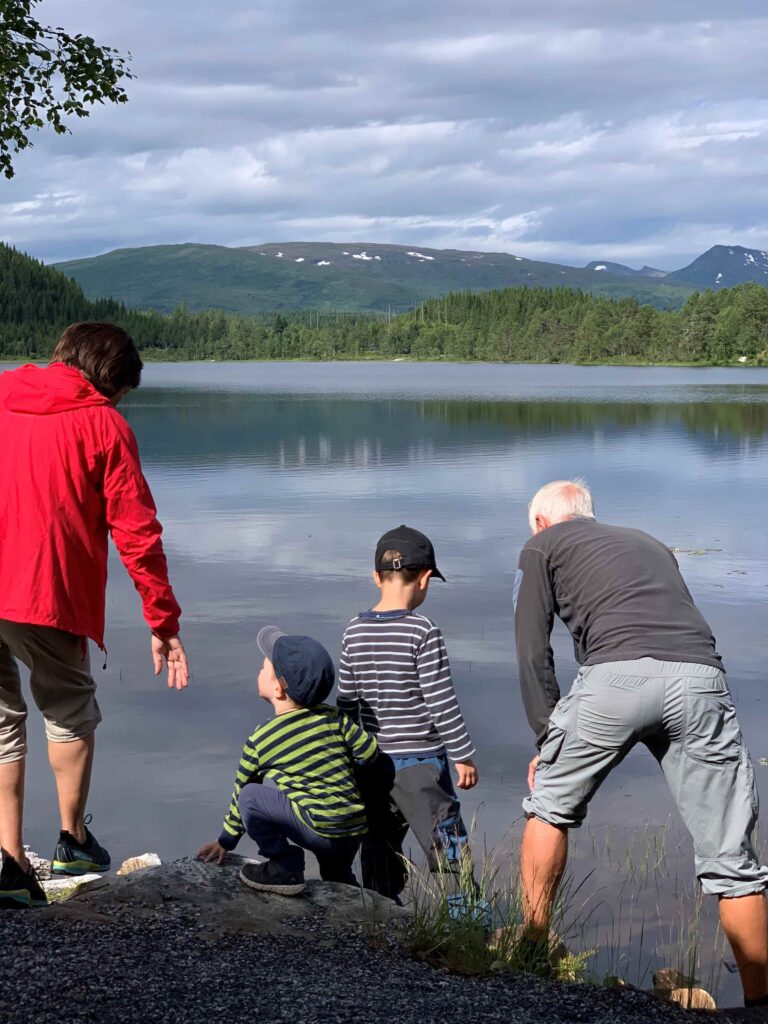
[{"x": 685, "y": 716}]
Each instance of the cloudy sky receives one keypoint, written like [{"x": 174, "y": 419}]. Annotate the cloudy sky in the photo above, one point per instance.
[{"x": 564, "y": 130}]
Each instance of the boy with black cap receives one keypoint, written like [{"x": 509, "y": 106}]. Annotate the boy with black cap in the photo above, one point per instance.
[
  {"x": 308, "y": 749},
  {"x": 394, "y": 678}
]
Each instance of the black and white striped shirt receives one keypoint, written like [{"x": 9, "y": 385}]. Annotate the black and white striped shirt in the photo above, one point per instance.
[{"x": 394, "y": 678}]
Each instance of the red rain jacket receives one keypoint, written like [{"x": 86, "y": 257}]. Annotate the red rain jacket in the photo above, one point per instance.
[{"x": 69, "y": 475}]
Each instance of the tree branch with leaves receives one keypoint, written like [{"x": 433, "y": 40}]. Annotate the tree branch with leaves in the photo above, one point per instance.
[{"x": 48, "y": 76}]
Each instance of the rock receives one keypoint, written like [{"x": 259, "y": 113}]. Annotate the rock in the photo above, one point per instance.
[
  {"x": 40, "y": 864},
  {"x": 215, "y": 899},
  {"x": 144, "y": 860},
  {"x": 499, "y": 967},
  {"x": 692, "y": 999},
  {"x": 668, "y": 978},
  {"x": 57, "y": 887},
  {"x": 673, "y": 986}
]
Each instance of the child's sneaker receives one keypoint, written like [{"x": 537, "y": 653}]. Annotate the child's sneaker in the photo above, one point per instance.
[
  {"x": 19, "y": 889},
  {"x": 270, "y": 877},
  {"x": 73, "y": 858}
]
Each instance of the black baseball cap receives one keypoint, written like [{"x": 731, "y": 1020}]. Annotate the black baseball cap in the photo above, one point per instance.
[
  {"x": 416, "y": 551},
  {"x": 303, "y": 665}
]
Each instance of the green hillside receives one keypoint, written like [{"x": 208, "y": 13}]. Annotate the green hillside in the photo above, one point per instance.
[
  {"x": 511, "y": 324},
  {"x": 37, "y": 302},
  {"x": 330, "y": 276}
]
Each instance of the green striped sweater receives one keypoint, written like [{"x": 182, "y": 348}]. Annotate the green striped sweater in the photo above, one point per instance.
[{"x": 309, "y": 754}]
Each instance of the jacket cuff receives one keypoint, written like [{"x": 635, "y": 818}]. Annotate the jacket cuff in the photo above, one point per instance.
[
  {"x": 228, "y": 842},
  {"x": 167, "y": 631}
]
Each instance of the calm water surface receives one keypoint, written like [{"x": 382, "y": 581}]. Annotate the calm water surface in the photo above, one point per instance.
[{"x": 274, "y": 481}]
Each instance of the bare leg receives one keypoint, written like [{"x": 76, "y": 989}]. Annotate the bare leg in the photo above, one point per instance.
[
  {"x": 12, "y": 809},
  {"x": 745, "y": 923},
  {"x": 71, "y": 764},
  {"x": 542, "y": 863}
]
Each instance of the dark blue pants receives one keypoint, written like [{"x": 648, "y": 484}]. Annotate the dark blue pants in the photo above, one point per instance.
[
  {"x": 270, "y": 820},
  {"x": 417, "y": 793}
]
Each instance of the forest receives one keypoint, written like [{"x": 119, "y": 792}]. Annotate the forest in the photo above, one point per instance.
[{"x": 543, "y": 325}]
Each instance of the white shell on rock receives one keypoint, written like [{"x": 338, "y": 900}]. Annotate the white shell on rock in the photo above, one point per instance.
[{"x": 144, "y": 860}]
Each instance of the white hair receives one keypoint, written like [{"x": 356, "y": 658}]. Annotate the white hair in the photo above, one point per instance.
[{"x": 561, "y": 500}]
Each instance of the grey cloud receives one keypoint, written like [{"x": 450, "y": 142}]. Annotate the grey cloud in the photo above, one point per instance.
[{"x": 558, "y": 130}]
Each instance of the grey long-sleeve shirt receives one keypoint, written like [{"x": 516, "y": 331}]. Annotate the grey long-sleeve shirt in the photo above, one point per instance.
[{"x": 619, "y": 592}]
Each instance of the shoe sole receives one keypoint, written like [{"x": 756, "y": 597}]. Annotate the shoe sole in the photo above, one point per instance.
[
  {"x": 77, "y": 867},
  {"x": 15, "y": 899},
  {"x": 281, "y": 890}
]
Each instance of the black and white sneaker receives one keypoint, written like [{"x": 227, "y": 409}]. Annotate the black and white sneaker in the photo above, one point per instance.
[
  {"x": 73, "y": 858},
  {"x": 270, "y": 877},
  {"x": 19, "y": 889}
]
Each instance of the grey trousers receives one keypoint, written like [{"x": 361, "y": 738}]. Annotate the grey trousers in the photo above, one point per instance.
[{"x": 685, "y": 716}]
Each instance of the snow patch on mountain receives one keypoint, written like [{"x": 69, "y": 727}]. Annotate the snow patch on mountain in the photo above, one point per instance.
[{"x": 724, "y": 267}]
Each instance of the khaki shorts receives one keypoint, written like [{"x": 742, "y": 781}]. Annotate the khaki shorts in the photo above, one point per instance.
[
  {"x": 685, "y": 716},
  {"x": 60, "y": 678}
]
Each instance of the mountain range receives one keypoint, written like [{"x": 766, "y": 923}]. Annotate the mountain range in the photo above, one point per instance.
[{"x": 374, "y": 277}]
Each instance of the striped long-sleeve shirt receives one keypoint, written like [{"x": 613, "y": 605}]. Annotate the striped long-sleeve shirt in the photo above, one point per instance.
[
  {"x": 394, "y": 678},
  {"x": 309, "y": 754}
]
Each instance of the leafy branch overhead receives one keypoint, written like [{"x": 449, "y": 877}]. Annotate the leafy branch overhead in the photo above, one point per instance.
[{"x": 48, "y": 76}]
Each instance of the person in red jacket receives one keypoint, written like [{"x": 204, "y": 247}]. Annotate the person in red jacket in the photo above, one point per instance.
[{"x": 69, "y": 476}]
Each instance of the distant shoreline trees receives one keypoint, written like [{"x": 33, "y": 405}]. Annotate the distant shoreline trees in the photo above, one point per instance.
[{"x": 544, "y": 325}]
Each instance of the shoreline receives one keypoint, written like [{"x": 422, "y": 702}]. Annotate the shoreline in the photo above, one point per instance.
[
  {"x": 186, "y": 942},
  {"x": 153, "y": 356}
]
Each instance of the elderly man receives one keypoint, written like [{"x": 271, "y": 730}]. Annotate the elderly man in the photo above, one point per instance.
[{"x": 649, "y": 674}]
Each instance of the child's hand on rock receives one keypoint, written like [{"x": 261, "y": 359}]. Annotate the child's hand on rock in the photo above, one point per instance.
[{"x": 212, "y": 853}]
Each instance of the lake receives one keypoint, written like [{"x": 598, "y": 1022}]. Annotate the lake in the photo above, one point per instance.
[{"x": 273, "y": 482}]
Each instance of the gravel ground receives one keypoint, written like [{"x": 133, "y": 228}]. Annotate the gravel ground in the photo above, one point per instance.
[{"x": 137, "y": 971}]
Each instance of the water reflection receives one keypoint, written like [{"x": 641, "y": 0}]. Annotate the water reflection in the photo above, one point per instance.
[{"x": 196, "y": 428}]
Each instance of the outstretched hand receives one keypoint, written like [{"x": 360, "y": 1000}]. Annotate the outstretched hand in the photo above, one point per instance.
[{"x": 172, "y": 651}]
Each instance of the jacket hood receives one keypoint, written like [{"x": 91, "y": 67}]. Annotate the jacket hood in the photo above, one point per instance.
[{"x": 46, "y": 390}]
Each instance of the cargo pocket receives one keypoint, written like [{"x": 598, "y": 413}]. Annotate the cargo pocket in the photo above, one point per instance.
[
  {"x": 712, "y": 733},
  {"x": 557, "y": 730},
  {"x": 749, "y": 776},
  {"x": 552, "y": 745}
]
